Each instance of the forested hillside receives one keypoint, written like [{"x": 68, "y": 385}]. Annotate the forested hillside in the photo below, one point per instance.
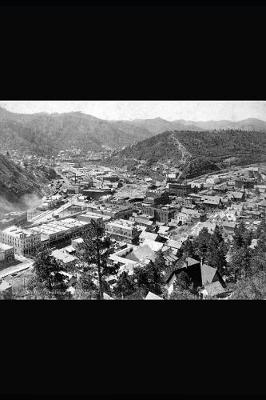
[{"x": 205, "y": 151}]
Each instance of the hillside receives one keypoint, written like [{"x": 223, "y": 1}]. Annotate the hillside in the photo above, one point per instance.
[
  {"x": 48, "y": 133},
  {"x": 198, "y": 152},
  {"x": 17, "y": 185},
  {"x": 159, "y": 125}
]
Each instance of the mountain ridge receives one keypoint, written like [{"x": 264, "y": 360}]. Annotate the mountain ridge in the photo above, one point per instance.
[{"x": 48, "y": 133}]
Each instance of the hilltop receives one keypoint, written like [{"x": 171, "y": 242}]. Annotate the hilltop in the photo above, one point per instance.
[
  {"x": 46, "y": 134},
  {"x": 196, "y": 152}
]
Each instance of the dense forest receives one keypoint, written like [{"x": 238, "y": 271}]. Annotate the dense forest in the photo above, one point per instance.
[{"x": 204, "y": 151}]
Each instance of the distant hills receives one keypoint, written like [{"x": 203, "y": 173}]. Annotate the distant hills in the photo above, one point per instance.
[
  {"x": 49, "y": 133},
  {"x": 159, "y": 125},
  {"x": 44, "y": 133},
  {"x": 196, "y": 152}
]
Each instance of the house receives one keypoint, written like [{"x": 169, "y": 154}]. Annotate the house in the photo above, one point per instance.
[
  {"x": 147, "y": 235},
  {"x": 123, "y": 230},
  {"x": 155, "y": 246},
  {"x": 212, "y": 201},
  {"x": 200, "y": 274},
  {"x": 64, "y": 258},
  {"x": 152, "y": 296},
  {"x": 228, "y": 228},
  {"x": 237, "y": 196},
  {"x": 214, "y": 289}
]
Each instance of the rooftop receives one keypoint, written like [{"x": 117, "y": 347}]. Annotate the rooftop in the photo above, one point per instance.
[{"x": 16, "y": 232}]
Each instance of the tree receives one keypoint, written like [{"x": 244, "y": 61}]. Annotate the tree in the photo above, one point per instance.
[
  {"x": 125, "y": 285},
  {"x": 240, "y": 263},
  {"x": 242, "y": 237},
  {"x": 216, "y": 250},
  {"x": 96, "y": 250},
  {"x": 201, "y": 243},
  {"x": 187, "y": 249},
  {"x": 252, "y": 288},
  {"x": 85, "y": 288},
  {"x": 150, "y": 277},
  {"x": 49, "y": 277},
  {"x": 183, "y": 289}
]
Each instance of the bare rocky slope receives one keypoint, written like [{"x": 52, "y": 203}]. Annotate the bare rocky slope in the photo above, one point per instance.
[{"x": 18, "y": 186}]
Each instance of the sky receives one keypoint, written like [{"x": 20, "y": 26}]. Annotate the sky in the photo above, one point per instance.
[{"x": 128, "y": 110}]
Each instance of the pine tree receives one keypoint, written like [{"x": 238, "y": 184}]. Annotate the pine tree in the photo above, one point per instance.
[
  {"x": 201, "y": 243},
  {"x": 49, "y": 275},
  {"x": 96, "y": 250},
  {"x": 216, "y": 250}
]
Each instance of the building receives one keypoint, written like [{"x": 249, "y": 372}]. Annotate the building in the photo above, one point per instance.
[
  {"x": 13, "y": 218},
  {"x": 228, "y": 228},
  {"x": 162, "y": 214},
  {"x": 179, "y": 189},
  {"x": 212, "y": 202},
  {"x": 6, "y": 254},
  {"x": 95, "y": 194},
  {"x": 187, "y": 215},
  {"x": 148, "y": 235},
  {"x": 77, "y": 243},
  {"x": 200, "y": 274},
  {"x": 5, "y": 290},
  {"x": 59, "y": 231},
  {"x": 156, "y": 197},
  {"x": 24, "y": 241},
  {"x": 90, "y": 216},
  {"x": 152, "y": 296},
  {"x": 64, "y": 258},
  {"x": 245, "y": 183},
  {"x": 123, "y": 230},
  {"x": 237, "y": 196}
]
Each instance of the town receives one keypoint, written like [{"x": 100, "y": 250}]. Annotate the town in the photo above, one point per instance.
[{"x": 112, "y": 233}]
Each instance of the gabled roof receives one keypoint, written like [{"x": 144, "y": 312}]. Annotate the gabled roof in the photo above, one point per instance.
[
  {"x": 214, "y": 288},
  {"x": 191, "y": 261},
  {"x": 152, "y": 296},
  {"x": 207, "y": 274}
]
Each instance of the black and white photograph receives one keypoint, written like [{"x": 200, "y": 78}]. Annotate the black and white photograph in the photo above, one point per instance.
[{"x": 133, "y": 200}]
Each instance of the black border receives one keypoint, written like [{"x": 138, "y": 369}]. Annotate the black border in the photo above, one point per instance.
[{"x": 144, "y": 51}]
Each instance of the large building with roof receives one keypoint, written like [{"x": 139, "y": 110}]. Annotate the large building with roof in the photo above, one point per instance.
[
  {"x": 56, "y": 231},
  {"x": 123, "y": 230},
  {"x": 24, "y": 241}
]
